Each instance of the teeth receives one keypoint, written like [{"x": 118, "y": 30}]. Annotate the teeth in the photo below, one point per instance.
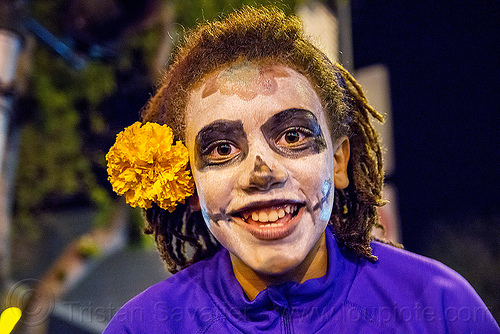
[
  {"x": 273, "y": 224},
  {"x": 263, "y": 217},
  {"x": 273, "y": 216},
  {"x": 270, "y": 215}
]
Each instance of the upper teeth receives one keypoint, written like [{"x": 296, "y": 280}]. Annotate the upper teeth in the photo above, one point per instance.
[{"x": 269, "y": 215}]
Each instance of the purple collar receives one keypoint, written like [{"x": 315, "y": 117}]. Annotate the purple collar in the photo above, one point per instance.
[{"x": 324, "y": 293}]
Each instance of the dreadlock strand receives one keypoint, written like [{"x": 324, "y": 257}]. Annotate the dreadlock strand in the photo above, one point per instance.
[
  {"x": 355, "y": 215},
  {"x": 359, "y": 93}
]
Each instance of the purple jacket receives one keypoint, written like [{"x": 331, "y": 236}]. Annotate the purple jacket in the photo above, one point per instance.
[{"x": 401, "y": 293}]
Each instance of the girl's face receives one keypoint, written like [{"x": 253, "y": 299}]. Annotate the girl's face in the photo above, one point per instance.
[{"x": 264, "y": 164}]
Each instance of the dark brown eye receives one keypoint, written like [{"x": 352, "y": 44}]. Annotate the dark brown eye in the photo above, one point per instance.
[
  {"x": 224, "y": 149},
  {"x": 292, "y": 137}
]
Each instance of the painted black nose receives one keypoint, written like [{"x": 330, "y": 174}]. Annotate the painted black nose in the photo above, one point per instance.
[{"x": 264, "y": 178}]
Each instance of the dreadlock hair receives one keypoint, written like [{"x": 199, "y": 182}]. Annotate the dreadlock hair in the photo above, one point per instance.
[{"x": 266, "y": 35}]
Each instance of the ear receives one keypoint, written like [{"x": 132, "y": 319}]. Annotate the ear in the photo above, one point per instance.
[{"x": 340, "y": 162}]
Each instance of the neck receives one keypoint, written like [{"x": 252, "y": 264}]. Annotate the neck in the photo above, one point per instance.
[{"x": 314, "y": 266}]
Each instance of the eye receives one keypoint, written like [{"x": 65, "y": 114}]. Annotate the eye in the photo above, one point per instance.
[
  {"x": 293, "y": 138},
  {"x": 222, "y": 151}
]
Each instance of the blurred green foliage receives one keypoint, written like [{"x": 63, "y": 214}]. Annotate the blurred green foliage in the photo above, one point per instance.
[
  {"x": 191, "y": 12},
  {"x": 53, "y": 167},
  {"x": 52, "y": 164},
  {"x": 88, "y": 247}
]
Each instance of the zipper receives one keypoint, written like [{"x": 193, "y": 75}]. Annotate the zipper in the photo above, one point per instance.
[{"x": 286, "y": 321}]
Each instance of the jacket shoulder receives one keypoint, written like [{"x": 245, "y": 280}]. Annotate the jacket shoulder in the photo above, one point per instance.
[
  {"x": 412, "y": 274},
  {"x": 180, "y": 301},
  {"x": 406, "y": 286}
]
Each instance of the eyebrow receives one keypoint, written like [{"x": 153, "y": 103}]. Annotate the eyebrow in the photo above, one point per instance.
[{"x": 292, "y": 116}]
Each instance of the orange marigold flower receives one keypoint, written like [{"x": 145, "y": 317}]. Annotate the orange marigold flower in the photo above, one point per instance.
[{"x": 144, "y": 166}]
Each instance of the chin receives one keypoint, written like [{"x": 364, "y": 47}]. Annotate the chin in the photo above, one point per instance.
[{"x": 276, "y": 265}]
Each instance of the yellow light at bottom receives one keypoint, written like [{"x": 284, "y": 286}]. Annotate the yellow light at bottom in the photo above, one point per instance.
[{"x": 9, "y": 319}]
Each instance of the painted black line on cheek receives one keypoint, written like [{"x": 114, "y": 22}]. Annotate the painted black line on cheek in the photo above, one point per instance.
[
  {"x": 215, "y": 217},
  {"x": 290, "y": 119},
  {"x": 326, "y": 190},
  {"x": 219, "y": 130}
]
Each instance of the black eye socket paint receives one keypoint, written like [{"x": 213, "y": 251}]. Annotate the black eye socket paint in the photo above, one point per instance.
[
  {"x": 216, "y": 133},
  {"x": 294, "y": 119}
]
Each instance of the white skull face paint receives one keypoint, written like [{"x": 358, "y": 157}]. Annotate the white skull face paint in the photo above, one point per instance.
[{"x": 263, "y": 168}]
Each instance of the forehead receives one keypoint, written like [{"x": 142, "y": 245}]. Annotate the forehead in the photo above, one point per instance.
[{"x": 249, "y": 93}]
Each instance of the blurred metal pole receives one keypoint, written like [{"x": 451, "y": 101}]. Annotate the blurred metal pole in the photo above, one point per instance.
[
  {"x": 10, "y": 48},
  {"x": 55, "y": 44},
  {"x": 343, "y": 9}
]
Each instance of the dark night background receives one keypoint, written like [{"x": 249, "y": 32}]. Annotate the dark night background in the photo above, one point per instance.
[{"x": 444, "y": 62}]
